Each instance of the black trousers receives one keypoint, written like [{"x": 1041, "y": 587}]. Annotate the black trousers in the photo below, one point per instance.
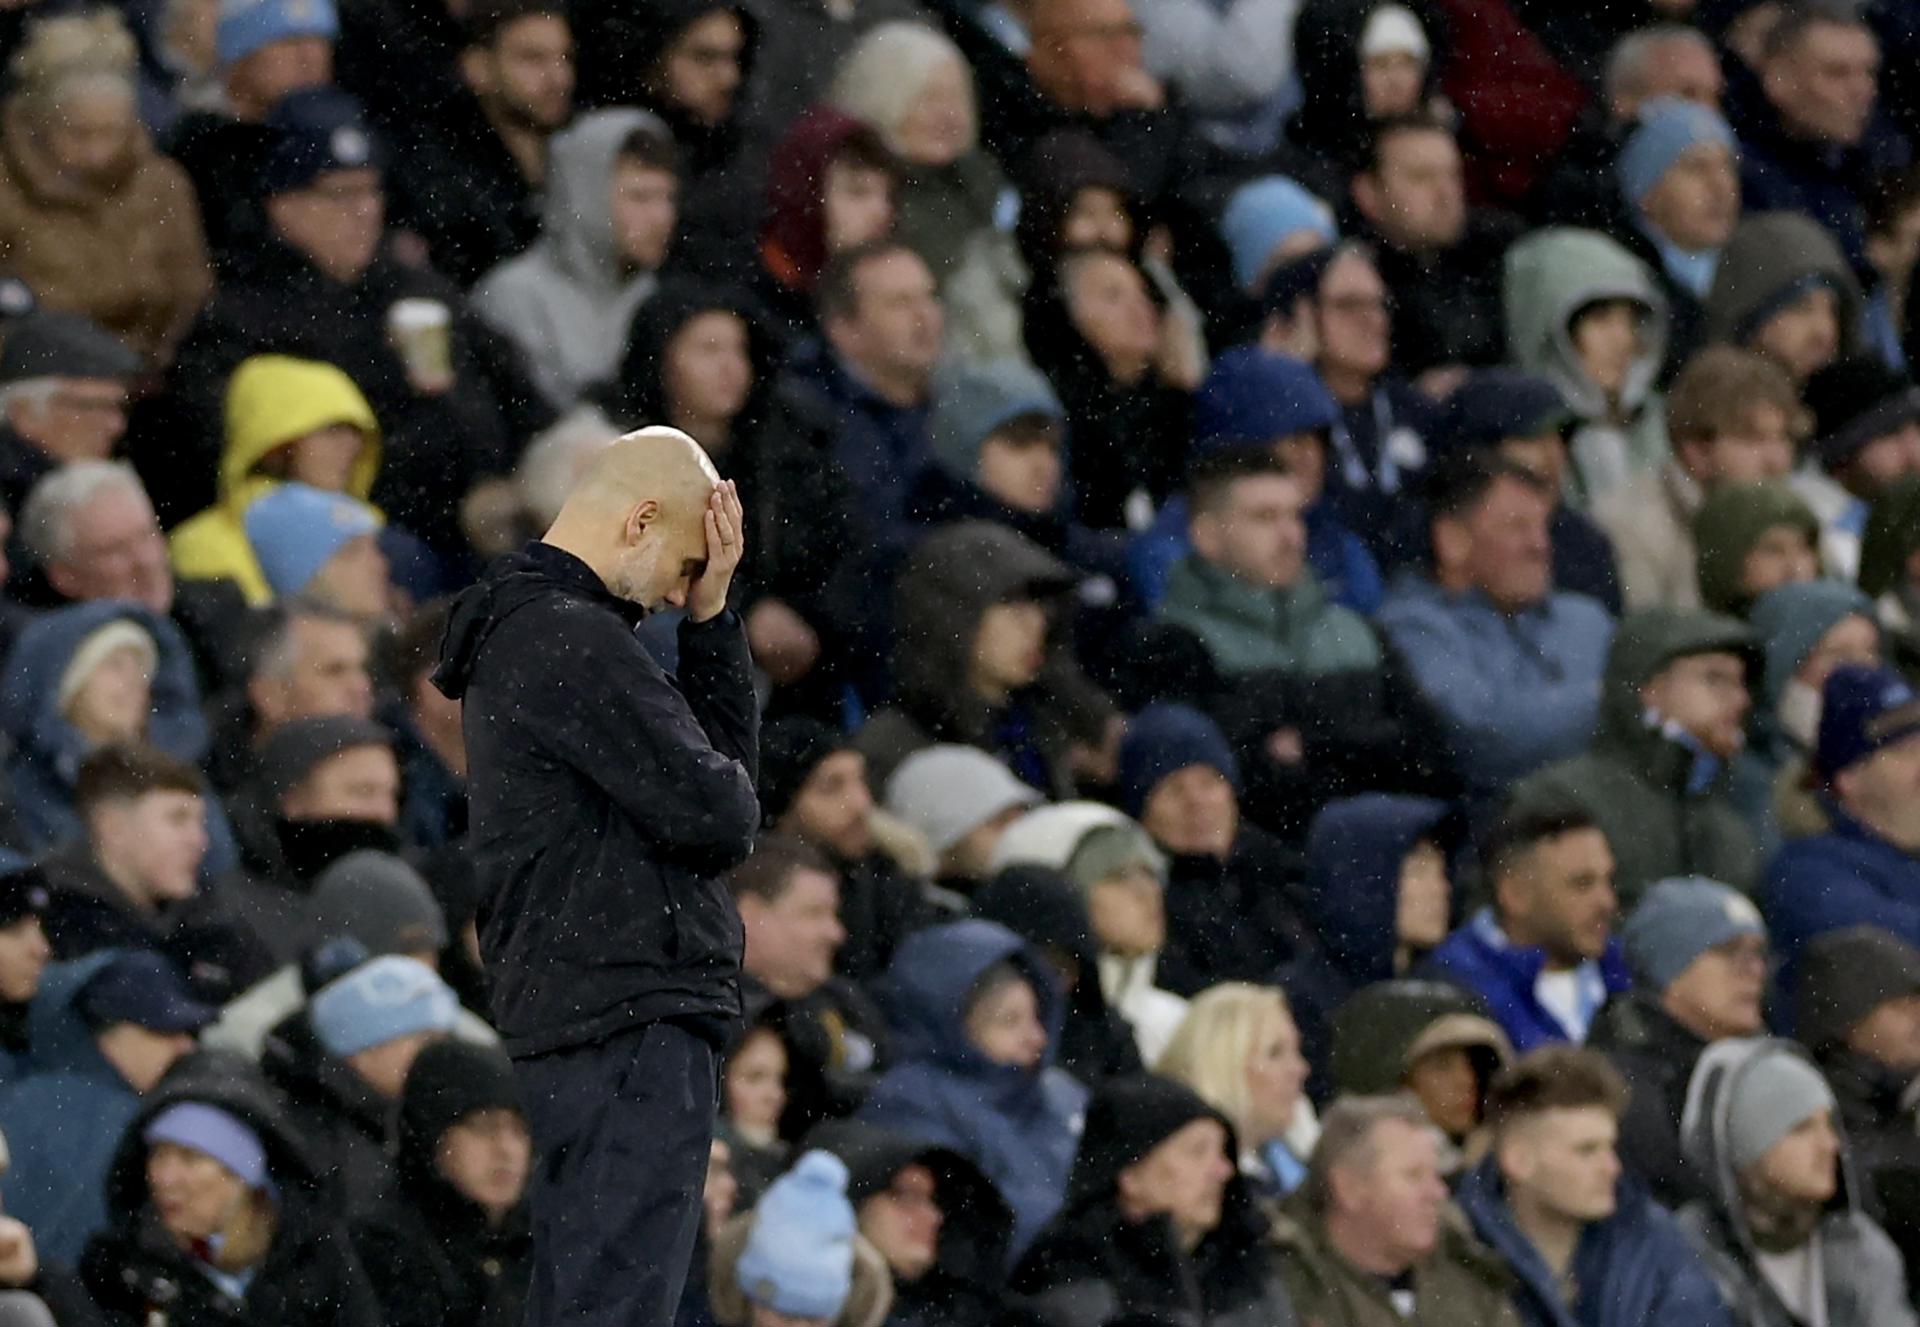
[{"x": 621, "y": 1131}]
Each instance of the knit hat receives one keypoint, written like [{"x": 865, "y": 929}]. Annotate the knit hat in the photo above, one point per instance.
[
  {"x": 53, "y": 344},
  {"x": 798, "y": 1258},
  {"x": 1253, "y": 396},
  {"x": 790, "y": 750},
  {"x": 1777, "y": 1089},
  {"x": 1678, "y": 920},
  {"x": 946, "y": 792},
  {"x": 1862, "y": 709},
  {"x": 1164, "y": 739},
  {"x": 295, "y": 530},
  {"x": 381, "y": 999},
  {"x": 379, "y": 900},
  {"x": 1727, "y": 526},
  {"x": 1105, "y": 851},
  {"x": 1128, "y": 1118},
  {"x": 451, "y": 1080},
  {"x": 1493, "y": 405},
  {"x": 320, "y": 130},
  {"x": 119, "y": 634},
  {"x": 23, "y": 894},
  {"x": 247, "y": 25},
  {"x": 1667, "y": 127},
  {"x": 140, "y": 987},
  {"x": 1843, "y": 976},
  {"x": 1789, "y": 620},
  {"x": 1855, "y": 400},
  {"x": 296, "y": 749},
  {"x": 215, "y": 1133},
  {"x": 1394, "y": 30},
  {"x": 1262, "y": 213},
  {"x": 972, "y": 402}
]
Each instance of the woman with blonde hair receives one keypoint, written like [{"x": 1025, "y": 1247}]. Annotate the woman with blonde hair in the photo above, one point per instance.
[
  {"x": 1239, "y": 1049},
  {"x": 92, "y": 218}
]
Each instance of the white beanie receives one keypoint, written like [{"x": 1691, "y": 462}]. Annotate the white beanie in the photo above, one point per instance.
[
  {"x": 119, "y": 634},
  {"x": 1394, "y": 29},
  {"x": 947, "y": 792}
]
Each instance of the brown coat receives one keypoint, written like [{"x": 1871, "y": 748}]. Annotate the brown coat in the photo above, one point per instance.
[
  {"x": 1461, "y": 1282},
  {"x": 130, "y": 254}
]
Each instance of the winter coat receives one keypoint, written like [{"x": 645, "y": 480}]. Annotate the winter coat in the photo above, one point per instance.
[
  {"x": 455, "y": 184},
  {"x": 310, "y": 1277},
  {"x": 281, "y": 400},
  {"x": 1650, "y": 521},
  {"x": 1845, "y": 877},
  {"x": 1460, "y": 1282},
  {"x": 1634, "y": 1268},
  {"x": 126, "y": 252},
  {"x": 1656, "y": 1055},
  {"x": 64, "y": 1117},
  {"x": 1550, "y": 277},
  {"x": 1232, "y": 918},
  {"x": 1350, "y": 901},
  {"x": 48, "y": 749},
  {"x": 1515, "y": 691},
  {"x": 1781, "y": 171},
  {"x": 1247, "y": 628},
  {"x": 1446, "y": 306},
  {"x": 567, "y": 301},
  {"x": 607, "y": 801},
  {"x": 1768, "y": 253},
  {"x": 1865, "y": 1281},
  {"x": 1664, "y": 805},
  {"x": 1480, "y": 958},
  {"x": 1232, "y": 63},
  {"x": 346, "y": 1125},
  {"x": 1879, "y": 1115},
  {"x": 1020, "y": 1126}
]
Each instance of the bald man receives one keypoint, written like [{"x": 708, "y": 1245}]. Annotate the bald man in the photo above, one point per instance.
[{"x": 607, "y": 799}]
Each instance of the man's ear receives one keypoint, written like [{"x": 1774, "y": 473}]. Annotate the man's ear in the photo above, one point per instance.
[
  {"x": 474, "y": 70},
  {"x": 1203, "y": 531},
  {"x": 1366, "y": 195},
  {"x": 643, "y": 513},
  {"x": 1515, "y": 1157},
  {"x": 1452, "y": 542}
]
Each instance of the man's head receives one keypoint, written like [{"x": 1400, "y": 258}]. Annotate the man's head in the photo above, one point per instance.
[
  {"x": 880, "y": 309},
  {"x": 813, "y": 785},
  {"x": 1489, "y": 528},
  {"x": 1700, "y": 949},
  {"x": 638, "y": 518},
  {"x": 1268, "y": 221},
  {"x": 1413, "y": 188},
  {"x": 379, "y": 1016},
  {"x": 310, "y": 662},
  {"x": 1799, "y": 328},
  {"x": 519, "y": 62},
  {"x": 1179, "y": 779},
  {"x": 23, "y": 940},
  {"x": 322, "y": 547},
  {"x": 1374, "y": 1182},
  {"x": 1083, "y": 53},
  {"x": 1517, "y": 416},
  {"x": 332, "y": 769},
  {"x": 699, "y": 71},
  {"x": 1679, "y": 169},
  {"x": 962, "y": 800},
  {"x": 1663, "y": 60},
  {"x": 1868, "y": 753},
  {"x": 93, "y": 531},
  {"x": 145, "y": 815},
  {"x": 1257, "y": 398},
  {"x": 1866, "y": 430},
  {"x": 1551, "y": 873},
  {"x": 1697, "y": 690},
  {"x": 1858, "y": 991},
  {"x": 63, "y": 385},
  {"x": 462, "y": 1111},
  {"x": 1000, "y": 426},
  {"x": 644, "y": 196},
  {"x": 322, "y": 181},
  {"x": 789, "y": 901},
  {"x": 377, "y": 900},
  {"x": 1733, "y": 416},
  {"x": 1244, "y": 517},
  {"x": 1751, "y": 538},
  {"x": 142, "y": 1015},
  {"x": 1555, "y": 1115},
  {"x": 1820, "y": 69},
  {"x": 1773, "y": 1117},
  {"x": 268, "y": 48},
  {"x": 1154, "y": 1149},
  {"x": 1893, "y": 226}
]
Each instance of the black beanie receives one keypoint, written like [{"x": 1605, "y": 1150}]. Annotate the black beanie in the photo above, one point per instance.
[
  {"x": 1845, "y": 975},
  {"x": 790, "y": 749},
  {"x": 1127, "y": 1119},
  {"x": 449, "y": 1081}
]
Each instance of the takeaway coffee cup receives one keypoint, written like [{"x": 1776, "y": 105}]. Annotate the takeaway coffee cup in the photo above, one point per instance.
[{"x": 422, "y": 332}]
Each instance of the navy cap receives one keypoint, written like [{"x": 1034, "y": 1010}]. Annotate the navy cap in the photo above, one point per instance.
[
  {"x": 1496, "y": 404},
  {"x": 319, "y": 130},
  {"x": 1862, "y": 710},
  {"x": 143, "y": 988},
  {"x": 23, "y": 894}
]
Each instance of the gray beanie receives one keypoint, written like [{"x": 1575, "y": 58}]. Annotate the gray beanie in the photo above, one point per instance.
[
  {"x": 1776, "y": 1091},
  {"x": 1678, "y": 920},
  {"x": 977, "y": 401},
  {"x": 947, "y": 792},
  {"x": 379, "y": 900}
]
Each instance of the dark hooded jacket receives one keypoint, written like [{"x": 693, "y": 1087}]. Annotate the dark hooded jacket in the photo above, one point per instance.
[
  {"x": 457, "y": 186},
  {"x": 1020, "y": 1126},
  {"x": 1330, "y": 130},
  {"x": 1656, "y": 1055},
  {"x": 964, "y": 1285},
  {"x": 347, "y": 1126},
  {"x": 1094, "y": 1265},
  {"x": 955, "y": 575},
  {"x": 607, "y": 800},
  {"x": 1770, "y": 256},
  {"x": 1352, "y": 897},
  {"x": 309, "y": 1278},
  {"x": 1663, "y": 802}
]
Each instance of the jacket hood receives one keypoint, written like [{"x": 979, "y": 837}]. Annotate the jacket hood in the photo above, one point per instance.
[
  {"x": 1728, "y": 525},
  {"x": 578, "y": 220},
  {"x": 1054, "y": 171},
  {"x": 1553, "y": 274},
  {"x": 795, "y": 231},
  {"x": 639, "y": 396},
  {"x": 932, "y": 976},
  {"x": 511, "y": 583},
  {"x": 1766, "y": 256},
  {"x": 1384, "y": 1028},
  {"x": 1647, "y": 642},
  {"x": 56, "y": 1030},
  {"x": 1354, "y": 850},
  {"x": 30, "y": 691},
  {"x": 273, "y": 400},
  {"x": 1326, "y": 53},
  {"x": 1789, "y": 621}
]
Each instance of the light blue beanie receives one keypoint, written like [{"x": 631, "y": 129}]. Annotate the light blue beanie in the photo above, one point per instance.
[
  {"x": 1264, "y": 212},
  {"x": 247, "y": 25},
  {"x": 212, "y": 1132},
  {"x": 389, "y": 997},
  {"x": 295, "y": 529},
  {"x": 799, "y": 1255},
  {"x": 1667, "y": 127}
]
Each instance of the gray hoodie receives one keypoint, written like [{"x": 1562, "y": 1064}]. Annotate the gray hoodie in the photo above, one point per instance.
[{"x": 566, "y": 302}]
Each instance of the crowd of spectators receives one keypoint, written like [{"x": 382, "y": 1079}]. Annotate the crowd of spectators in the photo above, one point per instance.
[{"x": 1334, "y": 588}]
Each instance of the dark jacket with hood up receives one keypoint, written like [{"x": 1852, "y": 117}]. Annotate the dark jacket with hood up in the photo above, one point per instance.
[
  {"x": 1656, "y": 1055},
  {"x": 607, "y": 799},
  {"x": 346, "y": 1125},
  {"x": 1665, "y": 804},
  {"x": 309, "y": 1278},
  {"x": 1020, "y": 1126},
  {"x": 1769, "y": 254}
]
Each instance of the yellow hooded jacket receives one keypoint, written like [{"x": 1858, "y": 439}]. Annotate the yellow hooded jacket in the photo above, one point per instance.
[{"x": 272, "y": 400}]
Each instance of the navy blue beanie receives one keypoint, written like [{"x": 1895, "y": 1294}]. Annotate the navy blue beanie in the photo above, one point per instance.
[
  {"x": 1254, "y": 396},
  {"x": 1164, "y": 739}
]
